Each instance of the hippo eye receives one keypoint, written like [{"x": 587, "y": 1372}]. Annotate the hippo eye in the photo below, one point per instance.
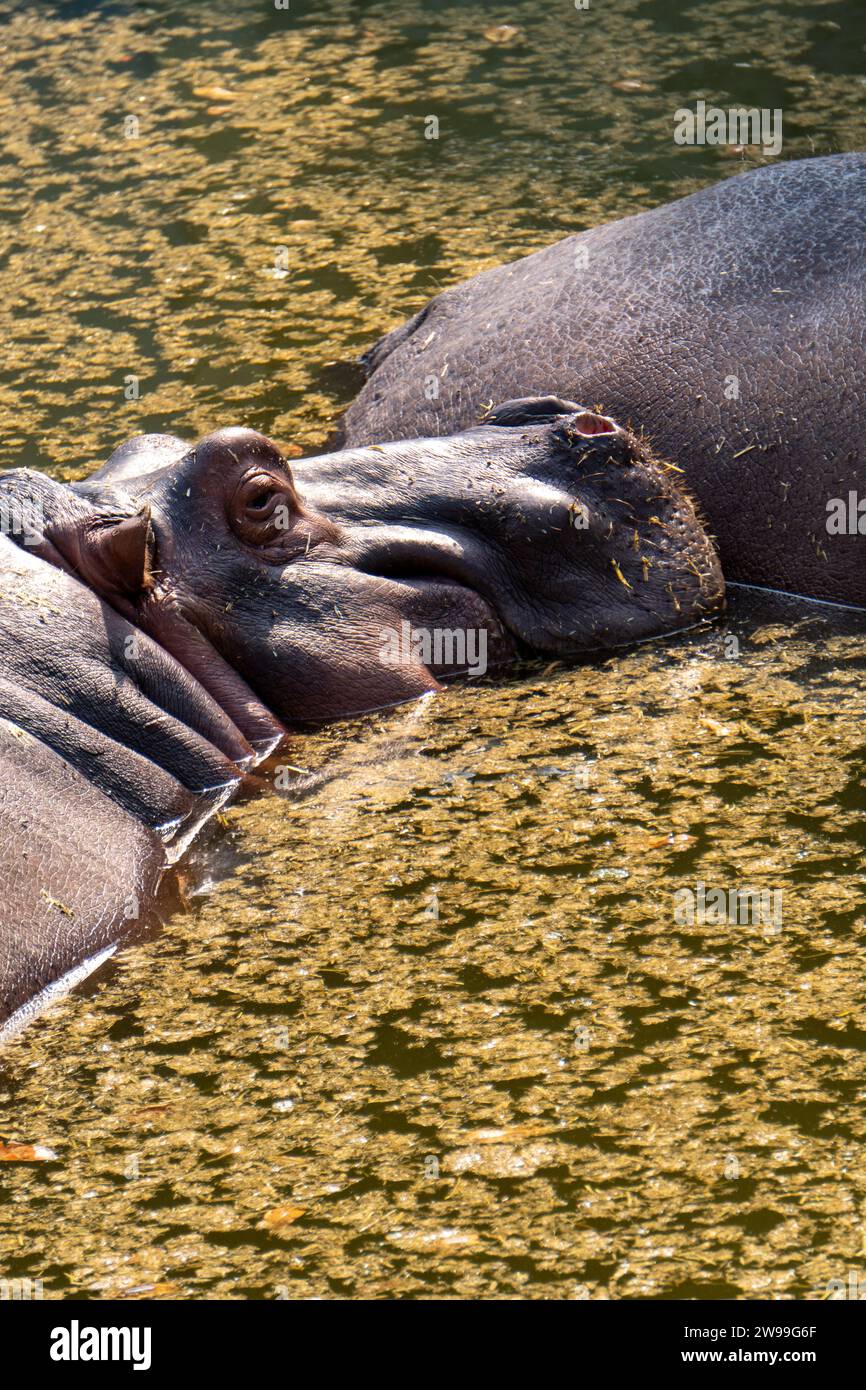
[
  {"x": 263, "y": 507},
  {"x": 260, "y": 499},
  {"x": 257, "y": 495}
]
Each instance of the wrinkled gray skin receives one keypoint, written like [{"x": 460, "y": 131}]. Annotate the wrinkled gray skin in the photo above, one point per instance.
[
  {"x": 110, "y": 765},
  {"x": 161, "y": 623},
  {"x": 728, "y": 326}
]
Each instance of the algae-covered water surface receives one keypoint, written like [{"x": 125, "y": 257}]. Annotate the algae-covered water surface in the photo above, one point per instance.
[{"x": 464, "y": 1007}]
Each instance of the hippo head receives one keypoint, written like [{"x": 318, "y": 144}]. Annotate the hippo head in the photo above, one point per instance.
[{"x": 362, "y": 578}]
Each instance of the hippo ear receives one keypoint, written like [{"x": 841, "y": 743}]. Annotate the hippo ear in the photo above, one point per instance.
[
  {"x": 119, "y": 555},
  {"x": 529, "y": 410}
]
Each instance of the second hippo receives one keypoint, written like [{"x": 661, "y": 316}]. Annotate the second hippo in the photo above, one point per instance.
[{"x": 730, "y": 326}]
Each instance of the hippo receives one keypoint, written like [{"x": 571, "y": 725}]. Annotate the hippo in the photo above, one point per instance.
[
  {"x": 728, "y": 326},
  {"x": 165, "y": 621}
]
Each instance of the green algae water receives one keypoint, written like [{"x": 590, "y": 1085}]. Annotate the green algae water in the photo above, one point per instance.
[{"x": 439, "y": 1021}]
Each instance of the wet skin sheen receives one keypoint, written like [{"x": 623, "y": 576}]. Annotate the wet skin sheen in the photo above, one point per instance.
[
  {"x": 164, "y": 621},
  {"x": 730, "y": 326}
]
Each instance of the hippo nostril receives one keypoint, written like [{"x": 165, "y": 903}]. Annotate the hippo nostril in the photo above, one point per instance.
[{"x": 588, "y": 423}]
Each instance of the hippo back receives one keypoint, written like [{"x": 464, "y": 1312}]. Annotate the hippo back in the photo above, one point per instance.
[{"x": 728, "y": 325}]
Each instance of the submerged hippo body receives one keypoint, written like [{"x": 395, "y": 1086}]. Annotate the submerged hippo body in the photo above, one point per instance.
[
  {"x": 729, "y": 326},
  {"x": 163, "y": 622},
  {"x": 113, "y": 757}
]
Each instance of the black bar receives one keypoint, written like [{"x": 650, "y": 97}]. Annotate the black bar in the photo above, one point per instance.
[{"x": 232, "y": 1338}]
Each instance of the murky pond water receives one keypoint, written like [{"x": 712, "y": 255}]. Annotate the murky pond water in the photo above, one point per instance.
[{"x": 444, "y": 1024}]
